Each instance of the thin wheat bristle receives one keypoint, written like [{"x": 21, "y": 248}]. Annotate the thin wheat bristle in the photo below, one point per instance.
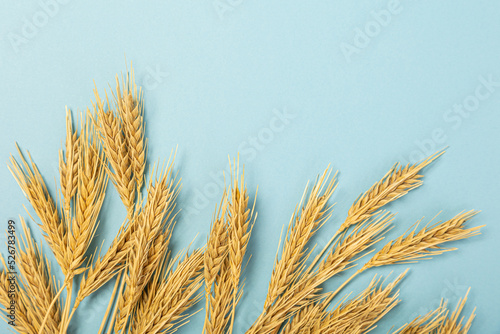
[
  {"x": 396, "y": 183},
  {"x": 302, "y": 227},
  {"x": 426, "y": 243}
]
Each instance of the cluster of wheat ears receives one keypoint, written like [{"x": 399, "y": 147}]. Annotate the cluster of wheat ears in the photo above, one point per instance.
[{"x": 155, "y": 292}]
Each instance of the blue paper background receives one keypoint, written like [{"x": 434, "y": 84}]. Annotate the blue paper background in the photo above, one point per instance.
[{"x": 215, "y": 73}]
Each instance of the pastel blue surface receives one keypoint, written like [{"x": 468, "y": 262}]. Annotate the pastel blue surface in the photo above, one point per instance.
[{"x": 359, "y": 85}]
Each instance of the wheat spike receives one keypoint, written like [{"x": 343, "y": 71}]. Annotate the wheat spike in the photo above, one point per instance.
[
  {"x": 216, "y": 263},
  {"x": 396, "y": 183},
  {"x": 92, "y": 182},
  {"x": 33, "y": 186},
  {"x": 306, "y": 289},
  {"x": 68, "y": 166},
  {"x": 130, "y": 107},
  {"x": 239, "y": 217},
  {"x": 361, "y": 314},
  {"x": 424, "y": 244},
  {"x": 147, "y": 251},
  {"x": 36, "y": 276},
  {"x": 453, "y": 324},
  {"x": 425, "y": 324},
  {"x": 174, "y": 293},
  {"x": 301, "y": 228},
  {"x": 110, "y": 130}
]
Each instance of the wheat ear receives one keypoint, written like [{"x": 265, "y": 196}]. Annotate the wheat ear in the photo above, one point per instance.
[
  {"x": 111, "y": 132},
  {"x": 173, "y": 293},
  {"x": 68, "y": 166},
  {"x": 130, "y": 107},
  {"x": 426, "y": 243},
  {"x": 427, "y": 323},
  {"x": 33, "y": 186},
  {"x": 302, "y": 226},
  {"x": 453, "y": 324},
  {"x": 36, "y": 280},
  {"x": 305, "y": 290},
  {"x": 393, "y": 185},
  {"x": 24, "y": 317},
  {"x": 239, "y": 217},
  {"x": 148, "y": 249},
  {"x": 215, "y": 270},
  {"x": 92, "y": 183}
]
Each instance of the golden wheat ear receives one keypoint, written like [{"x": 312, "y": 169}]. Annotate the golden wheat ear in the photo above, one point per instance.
[
  {"x": 215, "y": 270},
  {"x": 426, "y": 243},
  {"x": 453, "y": 323},
  {"x": 395, "y": 184},
  {"x": 68, "y": 166},
  {"x": 92, "y": 182},
  {"x": 110, "y": 129},
  {"x": 425, "y": 324},
  {"x": 304, "y": 223},
  {"x": 130, "y": 108},
  {"x": 37, "y": 281},
  {"x": 170, "y": 295},
  {"x": 149, "y": 241},
  {"x": 33, "y": 186}
]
